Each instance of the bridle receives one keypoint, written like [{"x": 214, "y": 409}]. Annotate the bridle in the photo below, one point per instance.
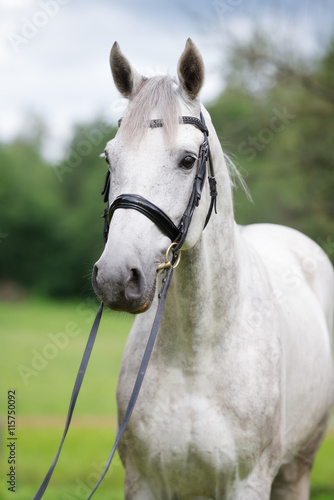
[{"x": 177, "y": 235}]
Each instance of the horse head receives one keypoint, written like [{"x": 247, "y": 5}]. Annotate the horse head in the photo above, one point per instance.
[{"x": 157, "y": 163}]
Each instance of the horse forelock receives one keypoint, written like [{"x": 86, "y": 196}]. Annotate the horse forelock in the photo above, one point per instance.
[{"x": 158, "y": 97}]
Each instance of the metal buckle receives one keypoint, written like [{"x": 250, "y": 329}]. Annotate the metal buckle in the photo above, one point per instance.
[{"x": 167, "y": 264}]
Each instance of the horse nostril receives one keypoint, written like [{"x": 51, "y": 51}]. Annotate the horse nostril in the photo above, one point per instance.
[{"x": 135, "y": 285}]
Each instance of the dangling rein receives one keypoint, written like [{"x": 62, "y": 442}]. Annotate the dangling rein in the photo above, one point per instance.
[{"x": 177, "y": 236}]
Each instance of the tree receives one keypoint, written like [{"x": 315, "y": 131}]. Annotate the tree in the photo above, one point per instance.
[
  {"x": 50, "y": 222},
  {"x": 281, "y": 132}
]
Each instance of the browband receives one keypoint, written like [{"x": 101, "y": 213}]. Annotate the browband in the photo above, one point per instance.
[{"x": 158, "y": 122}]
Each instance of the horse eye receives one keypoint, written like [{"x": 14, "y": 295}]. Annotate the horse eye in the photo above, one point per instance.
[{"x": 188, "y": 162}]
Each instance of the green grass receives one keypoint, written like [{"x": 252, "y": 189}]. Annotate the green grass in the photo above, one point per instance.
[
  {"x": 28, "y": 331},
  {"x": 43, "y": 393},
  {"x": 81, "y": 463},
  {"x": 43, "y": 371},
  {"x": 322, "y": 477}
]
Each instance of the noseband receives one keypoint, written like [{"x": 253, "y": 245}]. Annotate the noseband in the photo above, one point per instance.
[{"x": 177, "y": 234}]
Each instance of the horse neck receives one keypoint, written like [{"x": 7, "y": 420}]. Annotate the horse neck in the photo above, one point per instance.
[{"x": 204, "y": 289}]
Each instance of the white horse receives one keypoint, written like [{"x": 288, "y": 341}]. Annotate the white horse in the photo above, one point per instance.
[{"x": 239, "y": 388}]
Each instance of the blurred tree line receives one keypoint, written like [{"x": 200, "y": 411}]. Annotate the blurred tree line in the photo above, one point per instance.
[
  {"x": 274, "y": 118},
  {"x": 50, "y": 229}
]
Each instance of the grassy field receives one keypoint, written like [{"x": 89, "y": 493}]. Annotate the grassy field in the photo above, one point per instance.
[{"x": 41, "y": 347}]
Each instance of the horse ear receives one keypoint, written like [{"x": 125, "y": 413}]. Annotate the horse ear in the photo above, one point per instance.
[
  {"x": 125, "y": 77},
  {"x": 190, "y": 70}
]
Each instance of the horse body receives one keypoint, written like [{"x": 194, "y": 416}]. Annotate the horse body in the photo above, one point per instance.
[
  {"x": 223, "y": 424},
  {"x": 239, "y": 387}
]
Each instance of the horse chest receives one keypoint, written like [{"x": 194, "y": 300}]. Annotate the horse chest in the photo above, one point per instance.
[
  {"x": 182, "y": 435},
  {"x": 199, "y": 423},
  {"x": 182, "y": 441}
]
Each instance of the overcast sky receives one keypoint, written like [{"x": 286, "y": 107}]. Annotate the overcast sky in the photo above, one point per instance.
[{"x": 54, "y": 53}]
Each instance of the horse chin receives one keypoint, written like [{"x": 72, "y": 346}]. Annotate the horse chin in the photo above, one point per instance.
[
  {"x": 145, "y": 307},
  {"x": 128, "y": 308}
]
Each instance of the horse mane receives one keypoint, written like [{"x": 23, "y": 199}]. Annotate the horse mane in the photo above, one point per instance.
[
  {"x": 159, "y": 94},
  {"x": 236, "y": 177}
]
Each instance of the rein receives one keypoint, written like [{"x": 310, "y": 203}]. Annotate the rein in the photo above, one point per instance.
[{"x": 177, "y": 234}]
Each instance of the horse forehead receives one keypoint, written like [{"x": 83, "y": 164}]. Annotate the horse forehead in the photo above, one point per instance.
[
  {"x": 154, "y": 145},
  {"x": 126, "y": 154}
]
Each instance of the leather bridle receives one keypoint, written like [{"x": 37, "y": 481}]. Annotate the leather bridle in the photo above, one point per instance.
[{"x": 177, "y": 234}]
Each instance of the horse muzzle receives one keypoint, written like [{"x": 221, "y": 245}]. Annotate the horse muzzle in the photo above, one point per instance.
[{"x": 126, "y": 288}]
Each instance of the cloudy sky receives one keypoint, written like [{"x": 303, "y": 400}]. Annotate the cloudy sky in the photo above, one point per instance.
[{"x": 54, "y": 53}]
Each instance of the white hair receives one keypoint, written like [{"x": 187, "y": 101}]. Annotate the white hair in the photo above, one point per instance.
[{"x": 159, "y": 94}]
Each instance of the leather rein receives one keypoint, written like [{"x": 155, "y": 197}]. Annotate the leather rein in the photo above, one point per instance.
[{"x": 177, "y": 234}]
